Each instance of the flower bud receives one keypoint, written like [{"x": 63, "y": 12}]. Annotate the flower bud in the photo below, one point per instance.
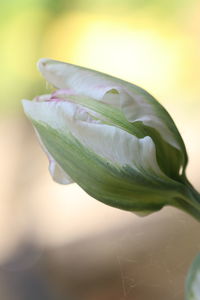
[{"x": 110, "y": 137}]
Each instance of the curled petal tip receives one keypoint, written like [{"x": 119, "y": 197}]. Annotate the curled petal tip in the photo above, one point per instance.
[{"x": 42, "y": 63}]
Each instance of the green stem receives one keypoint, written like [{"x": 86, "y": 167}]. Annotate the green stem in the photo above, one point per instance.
[{"x": 190, "y": 200}]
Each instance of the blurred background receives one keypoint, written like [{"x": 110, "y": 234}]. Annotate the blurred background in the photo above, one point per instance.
[{"x": 56, "y": 242}]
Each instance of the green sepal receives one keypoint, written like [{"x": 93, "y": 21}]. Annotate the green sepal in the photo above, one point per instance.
[{"x": 121, "y": 187}]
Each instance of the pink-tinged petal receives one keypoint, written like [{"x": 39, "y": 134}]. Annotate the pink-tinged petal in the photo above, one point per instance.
[
  {"x": 42, "y": 98},
  {"x": 76, "y": 80}
]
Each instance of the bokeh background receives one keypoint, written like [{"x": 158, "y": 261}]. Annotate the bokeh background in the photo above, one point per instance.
[{"x": 56, "y": 242}]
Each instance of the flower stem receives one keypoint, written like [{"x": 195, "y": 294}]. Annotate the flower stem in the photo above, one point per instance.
[{"x": 190, "y": 200}]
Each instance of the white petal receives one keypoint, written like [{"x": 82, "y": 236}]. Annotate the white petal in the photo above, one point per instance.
[
  {"x": 55, "y": 114},
  {"x": 136, "y": 104},
  {"x": 76, "y": 79},
  {"x": 137, "y": 107},
  {"x": 118, "y": 146},
  {"x": 57, "y": 173},
  {"x": 113, "y": 144},
  {"x": 34, "y": 111}
]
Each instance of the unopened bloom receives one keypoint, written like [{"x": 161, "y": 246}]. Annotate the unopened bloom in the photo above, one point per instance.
[{"x": 110, "y": 137}]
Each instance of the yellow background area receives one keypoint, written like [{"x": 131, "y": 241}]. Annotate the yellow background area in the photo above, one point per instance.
[{"x": 93, "y": 251}]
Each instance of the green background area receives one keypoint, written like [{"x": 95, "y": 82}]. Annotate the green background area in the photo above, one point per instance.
[{"x": 26, "y": 26}]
